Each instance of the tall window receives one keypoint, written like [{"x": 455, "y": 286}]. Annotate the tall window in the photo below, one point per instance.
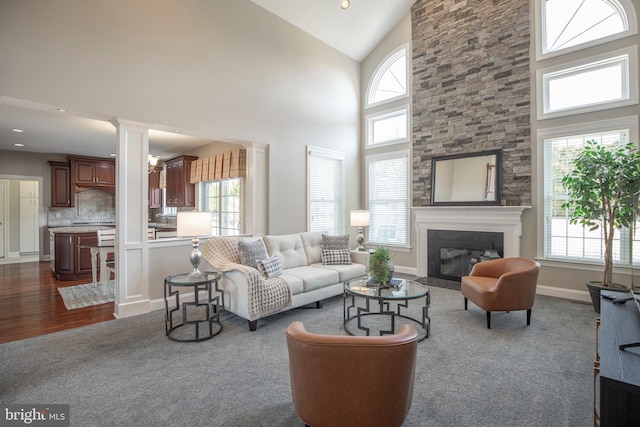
[
  {"x": 574, "y": 241},
  {"x": 387, "y": 141},
  {"x": 577, "y": 84},
  {"x": 223, "y": 200},
  {"x": 387, "y": 178},
  {"x": 325, "y": 182}
]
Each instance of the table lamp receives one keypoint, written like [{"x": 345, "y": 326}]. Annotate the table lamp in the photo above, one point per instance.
[
  {"x": 360, "y": 219},
  {"x": 194, "y": 224}
]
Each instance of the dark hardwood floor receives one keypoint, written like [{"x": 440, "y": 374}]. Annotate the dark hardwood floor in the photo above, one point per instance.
[{"x": 30, "y": 304}]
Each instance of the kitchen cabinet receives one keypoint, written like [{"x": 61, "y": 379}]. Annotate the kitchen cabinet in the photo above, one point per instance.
[
  {"x": 89, "y": 172},
  {"x": 28, "y": 225},
  {"x": 180, "y": 192},
  {"x": 68, "y": 260},
  {"x": 155, "y": 192},
  {"x": 61, "y": 196}
]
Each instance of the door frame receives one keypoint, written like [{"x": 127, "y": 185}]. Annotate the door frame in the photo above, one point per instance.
[{"x": 41, "y": 216}]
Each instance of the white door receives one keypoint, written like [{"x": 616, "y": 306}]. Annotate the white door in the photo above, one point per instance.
[
  {"x": 29, "y": 229},
  {"x": 3, "y": 191}
]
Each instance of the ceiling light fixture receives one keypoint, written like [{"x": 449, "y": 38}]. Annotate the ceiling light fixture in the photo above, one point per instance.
[
  {"x": 61, "y": 110},
  {"x": 17, "y": 130},
  {"x": 344, "y": 4},
  {"x": 18, "y": 145},
  {"x": 152, "y": 162}
]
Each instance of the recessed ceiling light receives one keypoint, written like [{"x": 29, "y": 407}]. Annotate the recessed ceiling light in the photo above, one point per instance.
[
  {"x": 61, "y": 110},
  {"x": 344, "y": 4},
  {"x": 17, "y": 130},
  {"x": 18, "y": 144},
  {"x": 112, "y": 154}
]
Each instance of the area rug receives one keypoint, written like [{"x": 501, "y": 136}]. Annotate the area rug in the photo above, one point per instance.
[{"x": 85, "y": 295}]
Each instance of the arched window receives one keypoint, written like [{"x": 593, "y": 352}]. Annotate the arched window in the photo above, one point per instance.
[
  {"x": 390, "y": 79},
  {"x": 570, "y": 23}
]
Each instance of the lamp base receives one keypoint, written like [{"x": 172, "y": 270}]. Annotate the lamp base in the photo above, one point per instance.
[
  {"x": 195, "y": 258},
  {"x": 360, "y": 240}
]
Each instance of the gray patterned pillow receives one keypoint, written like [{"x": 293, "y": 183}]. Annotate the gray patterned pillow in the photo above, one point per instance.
[
  {"x": 335, "y": 242},
  {"x": 270, "y": 267},
  {"x": 336, "y": 257},
  {"x": 250, "y": 252}
]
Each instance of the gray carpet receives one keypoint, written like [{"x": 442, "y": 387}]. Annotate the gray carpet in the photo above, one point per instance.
[{"x": 126, "y": 372}]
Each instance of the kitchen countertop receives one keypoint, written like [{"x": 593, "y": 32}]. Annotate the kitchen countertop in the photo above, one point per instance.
[{"x": 78, "y": 228}]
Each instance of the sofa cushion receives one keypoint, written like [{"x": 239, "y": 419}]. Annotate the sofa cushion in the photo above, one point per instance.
[
  {"x": 314, "y": 278},
  {"x": 270, "y": 267},
  {"x": 250, "y": 252},
  {"x": 335, "y": 242},
  {"x": 336, "y": 257},
  {"x": 345, "y": 271},
  {"x": 312, "y": 244},
  {"x": 288, "y": 248},
  {"x": 295, "y": 283}
]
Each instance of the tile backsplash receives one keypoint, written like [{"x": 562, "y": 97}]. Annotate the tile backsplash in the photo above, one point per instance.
[{"x": 90, "y": 205}]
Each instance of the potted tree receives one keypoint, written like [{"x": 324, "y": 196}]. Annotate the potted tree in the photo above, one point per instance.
[
  {"x": 600, "y": 191},
  {"x": 380, "y": 267}
]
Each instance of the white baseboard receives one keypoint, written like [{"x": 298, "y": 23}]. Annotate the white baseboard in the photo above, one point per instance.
[
  {"x": 570, "y": 294},
  {"x": 131, "y": 309},
  {"x": 13, "y": 255}
]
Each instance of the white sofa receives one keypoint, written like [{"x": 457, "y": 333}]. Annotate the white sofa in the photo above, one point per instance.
[{"x": 304, "y": 279}]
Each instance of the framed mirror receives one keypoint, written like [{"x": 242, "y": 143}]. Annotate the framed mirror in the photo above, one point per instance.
[{"x": 467, "y": 179}]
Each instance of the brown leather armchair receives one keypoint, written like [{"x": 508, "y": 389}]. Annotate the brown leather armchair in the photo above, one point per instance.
[
  {"x": 507, "y": 284},
  {"x": 342, "y": 380}
]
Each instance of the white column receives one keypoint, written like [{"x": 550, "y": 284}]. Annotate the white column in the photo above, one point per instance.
[
  {"x": 256, "y": 189},
  {"x": 132, "y": 250}
]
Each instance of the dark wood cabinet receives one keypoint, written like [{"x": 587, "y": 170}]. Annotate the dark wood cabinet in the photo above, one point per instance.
[
  {"x": 180, "y": 192},
  {"x": 155, "y": 192},
  {"x": 61, "y": 196},
  {"x": 70, "y": 261},
  {"x": 89, "y": 172}
]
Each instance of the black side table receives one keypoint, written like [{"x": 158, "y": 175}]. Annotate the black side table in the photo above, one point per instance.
[{"x": 203, "y": 315}]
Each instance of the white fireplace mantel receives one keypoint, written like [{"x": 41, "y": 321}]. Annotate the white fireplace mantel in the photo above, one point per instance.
[{"x": 500, "y": 219}]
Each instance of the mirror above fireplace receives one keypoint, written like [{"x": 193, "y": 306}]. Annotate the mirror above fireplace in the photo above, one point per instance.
[{"x": 467, "y": 179}]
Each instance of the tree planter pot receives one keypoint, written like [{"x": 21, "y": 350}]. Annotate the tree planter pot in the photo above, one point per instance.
[{"x": 596, "y": 287}]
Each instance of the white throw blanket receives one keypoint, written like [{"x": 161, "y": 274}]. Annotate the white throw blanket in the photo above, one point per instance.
[{"x": 265, "y": 296}]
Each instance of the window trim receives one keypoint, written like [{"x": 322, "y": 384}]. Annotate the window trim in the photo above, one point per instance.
[
  {"x": 630, "y": 122},
  {"x": 632, "y": 29},
  {"x": 369, "y": 120},
  {"x": 376, "y": 76},
  {"x": 542, "y": 87},
  {"x": 404, "y": 153},
  {"x": 331, "y": 154}
]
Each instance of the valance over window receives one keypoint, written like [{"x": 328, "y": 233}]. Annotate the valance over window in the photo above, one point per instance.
[{"x": 221, "y": 166}]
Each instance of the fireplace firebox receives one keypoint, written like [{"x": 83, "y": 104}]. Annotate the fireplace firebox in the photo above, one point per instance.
[{"x": 452, "y": 253}]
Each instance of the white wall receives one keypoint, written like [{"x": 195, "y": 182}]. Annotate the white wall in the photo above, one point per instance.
[{"x": 220, "y": 69}]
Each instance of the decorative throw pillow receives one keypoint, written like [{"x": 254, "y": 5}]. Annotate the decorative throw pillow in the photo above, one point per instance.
[
  {"x": 270, "y": 267},
  {"x": 336, "y": 257},
  {"x": 250, "y": 252},
  {"x": 335, "y": 242}
]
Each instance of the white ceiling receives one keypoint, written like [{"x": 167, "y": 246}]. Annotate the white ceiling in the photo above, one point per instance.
[{"x": 354, "y": 31}]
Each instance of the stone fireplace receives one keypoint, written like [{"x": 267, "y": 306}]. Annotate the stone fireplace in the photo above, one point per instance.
[{"x": 503, "y": 220}]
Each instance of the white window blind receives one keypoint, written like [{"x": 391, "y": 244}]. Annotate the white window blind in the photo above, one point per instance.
[
  {"x": 325, "y": 198},
  {"x": 388, "y": 198},
  {"x": 562, "y": 239}
]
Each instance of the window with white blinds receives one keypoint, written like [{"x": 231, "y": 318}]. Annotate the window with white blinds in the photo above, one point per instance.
[
  {"x": 563, "y": 240},
  {"x": 325, "y": 190},
  {"x": 388, "y": 197}
]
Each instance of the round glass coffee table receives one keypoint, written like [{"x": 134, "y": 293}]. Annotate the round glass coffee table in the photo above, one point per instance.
[{"x": 372, "y": 308}]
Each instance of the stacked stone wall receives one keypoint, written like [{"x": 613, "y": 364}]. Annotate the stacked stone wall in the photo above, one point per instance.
[{"x": 471, "y": 89}]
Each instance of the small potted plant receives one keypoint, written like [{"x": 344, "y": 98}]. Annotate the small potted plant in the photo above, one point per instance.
[
  {"x": 600, "y": 190},
  {"x": 380, "y": 267}
]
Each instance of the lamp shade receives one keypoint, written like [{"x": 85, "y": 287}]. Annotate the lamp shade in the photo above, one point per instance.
[
  {"x": 360, "y": 218},
  {"x": 192, "y": 224}
]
